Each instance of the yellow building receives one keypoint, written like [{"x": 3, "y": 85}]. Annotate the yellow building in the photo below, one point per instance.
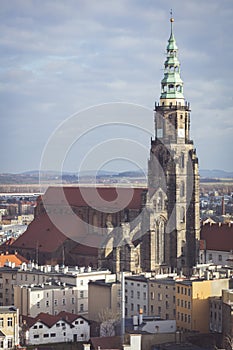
[
  {"x": 9, "y": 327},
  {"x": 192, "y": 302}
]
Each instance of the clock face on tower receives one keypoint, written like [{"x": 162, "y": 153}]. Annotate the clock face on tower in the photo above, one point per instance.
[{"x": 180, "y": 132}]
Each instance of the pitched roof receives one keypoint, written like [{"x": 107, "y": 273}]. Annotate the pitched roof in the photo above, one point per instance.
[
  {"x": 218, "y": 236},
  {"x": 17, "y": 259},
  {"x": 50, "y": 320},
  {"x": 96, "y": 197}
]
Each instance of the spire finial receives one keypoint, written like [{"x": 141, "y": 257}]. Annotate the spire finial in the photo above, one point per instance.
[{"x": 171, "y": 20}]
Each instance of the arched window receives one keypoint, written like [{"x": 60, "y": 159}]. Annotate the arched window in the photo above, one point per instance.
[
  {"x": 160, "y": 249},
  {"x": 182, "y": 189},
  {"x": 182, "y": 214}
]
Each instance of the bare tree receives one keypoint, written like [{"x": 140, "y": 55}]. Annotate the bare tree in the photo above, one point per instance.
[{"x": 108, "y": 320}]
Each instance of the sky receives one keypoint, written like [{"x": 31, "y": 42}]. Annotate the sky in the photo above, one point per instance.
[{"x": 79, "y": 79}]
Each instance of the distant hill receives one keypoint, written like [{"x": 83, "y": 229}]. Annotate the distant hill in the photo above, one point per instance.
[
  {"x": 216, "y": 173},
  {"x": 32, "y": 177}
]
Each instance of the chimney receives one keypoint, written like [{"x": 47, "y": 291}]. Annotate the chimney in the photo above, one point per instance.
[
  {"x": 140, "y": 319},
  {"x": 135, "y": 341}
]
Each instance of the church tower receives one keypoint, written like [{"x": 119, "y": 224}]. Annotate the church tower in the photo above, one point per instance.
[{"x": 173, "y": 179}]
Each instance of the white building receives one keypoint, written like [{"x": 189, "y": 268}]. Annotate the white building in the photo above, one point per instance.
[
  {"x": 54, "y": 289},
  {"x": 136, "y": 295},
  {"x": 46, "y": 328}
]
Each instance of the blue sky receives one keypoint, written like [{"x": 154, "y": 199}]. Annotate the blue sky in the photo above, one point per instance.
[{"x": 61, "y": 57}]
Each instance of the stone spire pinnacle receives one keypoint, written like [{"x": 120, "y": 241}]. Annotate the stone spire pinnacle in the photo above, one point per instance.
[{"x": 172, "y": 84}]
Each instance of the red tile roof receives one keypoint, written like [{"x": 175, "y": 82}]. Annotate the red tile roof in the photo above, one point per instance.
[
  {"x": 97, "y": 197},
  {"x": 218, "y": 236},
  {"x": 17, "y": 259},
  {"x": 50, "y": 320}
]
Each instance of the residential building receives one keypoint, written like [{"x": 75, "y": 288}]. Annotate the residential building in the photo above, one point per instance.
[
  {"x": 9, "y": 327},
  {"x": 217, "y": 244},
  {"x": 136, "y": 295},
  {"x": 7, "y": 282},
  {"x": 12, "y": 259},
  {"x": 162, "y": 298},
  {"x": 104, "y": 299},
  {"x": 192, "y": 302},
  {"x": 49, "y": 298},
  {"x": 46, "y": 328},
  {"x": 215, "y": 314},
  {"x": 227, "y": 315}
]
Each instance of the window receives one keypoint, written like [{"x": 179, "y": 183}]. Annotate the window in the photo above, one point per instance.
[
  {"x": 210, "y": 256},
  {"x": 81, "y": 307},
  {"x": 10, "y": 343},
  {"x": 144, "y": 296},
  {"x": 38, "y": 305},
  {"x": 1, "y": 322},
  {"x": 159, "y": 310},
  {"x": 47, "y": 303},
  {"x": 72, "y": 300},
  {"x": 160, "y": 296},
  {"x": 132, "y": 308},
  {"x": 46, "y": 335},
  {"x": 64, "y": 292},
  {"x": 63, "y": 301},
  {"x": 81, "y": 294},
  {"x": 152, "y": 295},
  {"x": 58, "y": 325},
  {"x": 81, "y": 322},
  {"x": 138, "y": 295},
  {"x": 52, "y": 335},
  {"x": 35, "y": 327},
  {"x": 40, "y": 326},
  {"x": 132, "y": 294},
  {"x": 152, "y": 309},
  {"x": 138, "y": 307},
  {"x": 36, "y": 336},
  {"x": 81, "y": 282},
  {"x": 220, "y": 258},
  {"x": 1, "y": 344},
  {"x": 9, "y": 321}
]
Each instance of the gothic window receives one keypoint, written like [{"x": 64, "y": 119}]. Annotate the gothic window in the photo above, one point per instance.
[
  {"x": 182, "y": 160},
  {"x": 182, "y": 214},
  {"x": 160, "y": 242},
  {"x": 182, "y": 189}
]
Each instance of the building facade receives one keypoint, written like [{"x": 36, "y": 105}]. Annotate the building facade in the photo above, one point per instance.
[
  {"x": 9, "y": 327},
  {"x": 46, "y": 328},
  {"x": 192, "y": 303}
]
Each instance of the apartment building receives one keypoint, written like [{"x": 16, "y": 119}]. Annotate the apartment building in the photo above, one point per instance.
[
  {"x": 104, "y": 296},
  {"x": 7, "y": 282},
  {"x": 136, "y": 295},
  {"x": 9, "y": 327},
  {"x": 50, "y": 298},
  {"x": 227, "y": 313},
  {"x": 192, "y": 302},
  {"x": 162, "y": 298}
]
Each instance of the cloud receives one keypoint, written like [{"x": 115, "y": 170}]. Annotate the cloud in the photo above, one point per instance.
[{"x": 63, "y": 56}]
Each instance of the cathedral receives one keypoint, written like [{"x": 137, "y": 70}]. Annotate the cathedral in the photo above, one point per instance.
[{"x": 158, "y": 230}]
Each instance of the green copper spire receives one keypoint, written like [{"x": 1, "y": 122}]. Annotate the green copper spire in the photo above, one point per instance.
[{"x": 172, "y": 84}]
